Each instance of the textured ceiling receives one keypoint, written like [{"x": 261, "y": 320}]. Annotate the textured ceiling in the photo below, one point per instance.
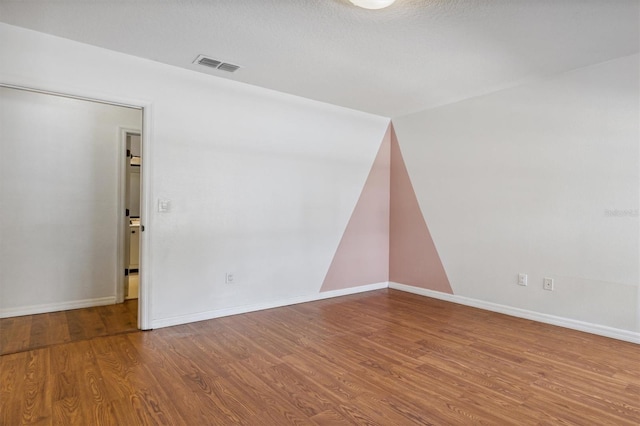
[{"x": 414, "y": 55}]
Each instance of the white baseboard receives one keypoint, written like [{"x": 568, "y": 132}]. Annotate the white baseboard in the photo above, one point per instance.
[
  {"x": 601, "y": 330},
  {"x": 201, "y": 316},
  {"x": 55, "y": 307}
]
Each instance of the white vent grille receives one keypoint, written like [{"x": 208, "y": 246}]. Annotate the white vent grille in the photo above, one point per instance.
[
  {"x": 208, "y": 62},
  {"x": 214, "y": 63},
  {"x": 228, "y": 67}
]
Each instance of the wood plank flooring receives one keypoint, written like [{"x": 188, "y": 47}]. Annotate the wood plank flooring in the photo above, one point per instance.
[
  {"x": 28, "y": 332},
  {"x": 377, "y": 358}
]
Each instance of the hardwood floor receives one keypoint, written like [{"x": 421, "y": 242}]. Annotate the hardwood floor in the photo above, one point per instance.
[
  {"x": 28, "y": 332},
  {"x": 377, "y": 358}
]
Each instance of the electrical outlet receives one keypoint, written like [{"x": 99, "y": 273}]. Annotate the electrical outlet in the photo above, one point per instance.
[
  {"x": 229, "y": 278},
  {"x": 522, "y": 279},
  {"x": 547, "y": 284}
]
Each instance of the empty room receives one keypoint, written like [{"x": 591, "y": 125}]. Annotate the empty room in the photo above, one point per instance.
[{"x": 320, "y": 212}]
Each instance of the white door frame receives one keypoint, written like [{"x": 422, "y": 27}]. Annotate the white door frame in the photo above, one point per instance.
[
  {"x": 144, "y": 299},
  {"x": 144, "y": 296}
]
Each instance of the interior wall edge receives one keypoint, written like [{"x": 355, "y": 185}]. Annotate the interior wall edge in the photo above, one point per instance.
[
  {"x": 600, "y": 330},
  {"x": 218, "y": 313},
  {"x": 516, "y": 85}
]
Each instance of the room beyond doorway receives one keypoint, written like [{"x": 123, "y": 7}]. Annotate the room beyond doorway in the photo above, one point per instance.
[
  {"x": 61, "y": 238},
  {"x": 132, "y": 227}
]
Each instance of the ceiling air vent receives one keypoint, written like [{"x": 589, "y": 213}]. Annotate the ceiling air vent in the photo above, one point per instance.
[
  {"x": 214, "y": 63},
  {"x": 228, "y": 67}
]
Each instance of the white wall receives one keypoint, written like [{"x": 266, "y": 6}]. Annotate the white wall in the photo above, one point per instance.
[
  {"x": 524, "y": 180},
  {"x": 262, "y": 184},
  {"x": 59, "y": 194}
]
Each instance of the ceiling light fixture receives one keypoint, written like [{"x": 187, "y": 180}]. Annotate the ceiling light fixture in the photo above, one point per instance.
[{"x": 372, "y": 4}]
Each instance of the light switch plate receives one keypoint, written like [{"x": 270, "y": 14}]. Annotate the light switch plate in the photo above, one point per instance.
[{"x": 164, "y": 206}]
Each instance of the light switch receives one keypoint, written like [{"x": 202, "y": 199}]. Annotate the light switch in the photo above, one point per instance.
[{"x": 164, "y": 206}]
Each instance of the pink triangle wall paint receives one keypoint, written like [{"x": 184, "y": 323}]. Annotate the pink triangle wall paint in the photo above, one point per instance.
[
  {"x": 413, "y": 258},
  {"x": 387, "y": 238},
  {"x": 362, "y": 256}
]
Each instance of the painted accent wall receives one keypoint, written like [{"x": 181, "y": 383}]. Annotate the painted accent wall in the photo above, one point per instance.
[
  {"x": 413, "y": 256},
  {"x": 541, "y": 179},
  {"x": 262, "y": 184},
  {"x": 363, "y": 254}
]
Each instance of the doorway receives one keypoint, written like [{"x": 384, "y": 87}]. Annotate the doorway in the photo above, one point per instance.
[
  {"x": 60, "y": 247},
  {"x": 132, "y": 224}
]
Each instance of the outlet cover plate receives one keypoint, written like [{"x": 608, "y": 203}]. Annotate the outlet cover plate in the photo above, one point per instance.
[{"x": 522, "y": 279}]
